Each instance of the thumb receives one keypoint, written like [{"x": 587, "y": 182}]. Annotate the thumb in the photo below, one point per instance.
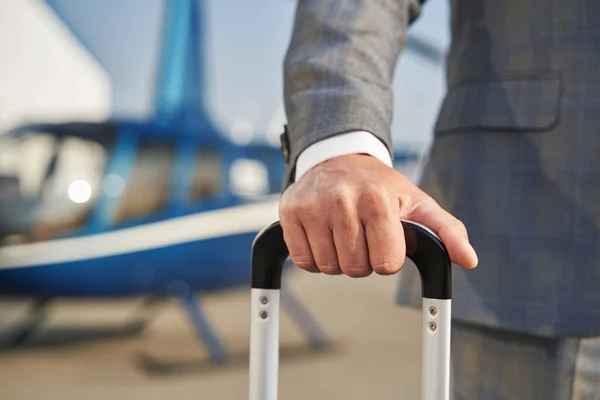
[{"x": 450, "y": 229}]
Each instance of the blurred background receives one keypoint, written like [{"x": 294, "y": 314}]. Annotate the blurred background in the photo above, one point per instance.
[{"x": 139, "y": 157}]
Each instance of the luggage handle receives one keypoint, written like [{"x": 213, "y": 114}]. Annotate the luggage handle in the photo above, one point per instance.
[{"x": 423, "y": 247}]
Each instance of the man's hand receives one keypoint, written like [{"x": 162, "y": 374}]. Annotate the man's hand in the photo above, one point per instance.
[{"x": 343, "y": 217}]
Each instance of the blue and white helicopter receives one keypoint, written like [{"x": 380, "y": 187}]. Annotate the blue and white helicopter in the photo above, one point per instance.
[{"x": 161, "y": 208}]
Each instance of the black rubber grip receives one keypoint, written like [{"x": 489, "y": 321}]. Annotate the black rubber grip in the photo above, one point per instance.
[{"x": 426, "y": 251}]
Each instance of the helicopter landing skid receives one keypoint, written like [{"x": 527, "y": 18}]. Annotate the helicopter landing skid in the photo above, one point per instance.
[
  {"x": 32, "y": 333},
  {"x": 217, "y": 352}
]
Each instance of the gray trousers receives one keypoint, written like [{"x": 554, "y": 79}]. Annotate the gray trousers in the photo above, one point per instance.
[{"x": 488, "y": 364}]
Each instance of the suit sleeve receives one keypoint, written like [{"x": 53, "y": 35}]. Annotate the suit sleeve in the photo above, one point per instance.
[{"x": 339, "y": 67}]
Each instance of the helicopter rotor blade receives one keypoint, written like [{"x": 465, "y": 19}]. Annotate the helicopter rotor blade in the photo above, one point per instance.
[{"x": 424, "y": 48}]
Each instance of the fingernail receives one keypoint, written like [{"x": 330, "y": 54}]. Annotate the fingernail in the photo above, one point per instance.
[{"x": 474, "y": 255}]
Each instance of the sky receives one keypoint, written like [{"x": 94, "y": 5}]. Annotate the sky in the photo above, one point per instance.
[{"x": 245, "y": 44}]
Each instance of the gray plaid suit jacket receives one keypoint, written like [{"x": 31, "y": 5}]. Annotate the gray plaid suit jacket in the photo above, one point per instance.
[{"x": 516, "y": 148}]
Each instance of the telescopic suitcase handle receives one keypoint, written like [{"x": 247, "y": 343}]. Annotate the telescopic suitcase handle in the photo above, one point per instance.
[{"x": 423, "y": 247}]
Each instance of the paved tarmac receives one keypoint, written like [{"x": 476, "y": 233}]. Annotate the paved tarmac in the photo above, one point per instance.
[{"x": 375, "y": 354}]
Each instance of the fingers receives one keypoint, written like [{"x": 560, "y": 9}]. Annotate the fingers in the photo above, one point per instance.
[
  {"x": 386, "y": 246},
  {"x": 309, "y": 240},
  {"x": 450, "y": 229},
  {"x": 383, "y": 231},
  {"x": 322, "y": 246},
  {"x": 299, "y": 247},
  {"x": 351, "y": 245}
]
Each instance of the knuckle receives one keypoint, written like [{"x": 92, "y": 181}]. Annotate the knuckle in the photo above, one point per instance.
[
  {"x": 374, "y": 203},
  {"x": 310, "y": 217},
  {"x": 386, "y": 266},
  {"x": 341, "y": 196},
  {"x": 363, "y": 273},
  {"x": 356, "y": 270},
  {"x": 299, "y": 211},
  {"x": 288, "y": 211},
  {"x": 458, "y": 225},
  {"x": 326, "y": 261},
  {"x": 340, "y": 203},
  {"x": 454, "y": 227},
  {"x": 371, "y": 192},
  {"x": 303, "y": 261},
  {"x": 405, "y": 204},
  {"x": 425, "y": 201},
  {"x": 375, "y": 212},
  {"x": 328, "y": 269}
]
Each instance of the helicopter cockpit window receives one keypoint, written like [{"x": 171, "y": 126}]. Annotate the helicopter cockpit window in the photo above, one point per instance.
[
  {"x": 149, "y": 184},
  {"x": 48, "y": 185},
  {"x": 246, "y": 177},
  {"x": 207, "y": 172}
]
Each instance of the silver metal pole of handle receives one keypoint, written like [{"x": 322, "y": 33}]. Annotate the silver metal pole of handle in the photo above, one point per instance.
[{"x": 429, "y": 255}]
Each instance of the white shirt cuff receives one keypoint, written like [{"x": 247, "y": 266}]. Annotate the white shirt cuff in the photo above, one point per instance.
[{"x": 355, "y": 142}]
